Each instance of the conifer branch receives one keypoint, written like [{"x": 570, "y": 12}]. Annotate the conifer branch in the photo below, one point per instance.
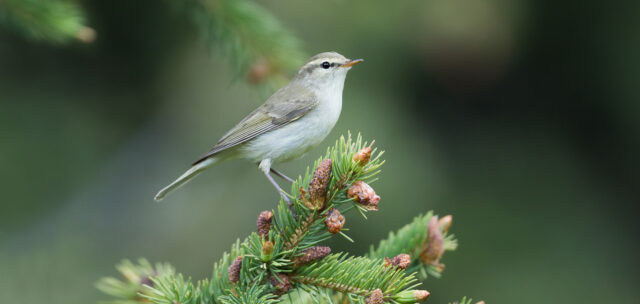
[
  {"x": 414, "y": 239},
  {"x": 283, "y": 258},
  {"x": 254, "y": 41},
  {"x": 55, "y": 21},
  {"x": 355, "y": 275}
]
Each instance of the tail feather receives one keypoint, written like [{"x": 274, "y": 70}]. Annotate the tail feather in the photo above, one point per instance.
[{"x": 185, "y": 177}]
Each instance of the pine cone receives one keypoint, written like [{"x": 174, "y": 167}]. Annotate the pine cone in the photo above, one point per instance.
[
  {"x": 319, "y": 184},
  {"x": 234, "y": 270},
  {"x": 364, "y": 195},
  {"x": 264, "y": 223},
  {"x": 334, "y": 221},
  {"x": 312, "y": 254},
  {"x": 363, "y": 156},
  {"x": 376, "y": 297},
  {"x": 434, "y": 248}
]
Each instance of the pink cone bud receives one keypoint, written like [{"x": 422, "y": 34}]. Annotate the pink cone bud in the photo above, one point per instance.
[
  {"x": 334, "y": 221},
  {"x": 234, "y": 270},
  {"x": 319, "y": 184},
  {"x": 376, "y": 297},
  {"x": 312, "y": 254},
  {"x": 401, "y": 261},
  {"x": 264, "y": 223},
  {"x": 364, "y": 195},
  {"x": 445, "y": 223},
  {"x": 363, "y": 156},
  {"x": 434, "y": 247}
]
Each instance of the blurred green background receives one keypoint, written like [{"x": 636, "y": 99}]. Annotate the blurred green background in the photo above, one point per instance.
[{"x": 520, "y": 118}]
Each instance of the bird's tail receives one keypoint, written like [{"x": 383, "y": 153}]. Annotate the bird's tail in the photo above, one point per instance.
[{"x": 185, "y": 177}]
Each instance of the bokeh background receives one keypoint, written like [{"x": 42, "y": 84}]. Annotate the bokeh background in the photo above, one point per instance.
[{"x": 519, "y": 118}]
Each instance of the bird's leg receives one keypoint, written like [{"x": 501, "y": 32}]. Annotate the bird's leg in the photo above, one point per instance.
[
  {"x": 281, "y": 175},
  {"x": 265, "y": 166},
  {"x": 282, "y": 193}
]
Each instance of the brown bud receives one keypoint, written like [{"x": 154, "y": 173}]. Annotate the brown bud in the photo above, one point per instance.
[
  {"x": 281, "y": 283},
  {"x": 363, "y": 156},
  {"x": 312, "y": 254},
  {"x": 434, "y": 247},
  {"x": 259, "y": 71},
  {"x": 420, "y": 295},
  {"x": 364, "y": 195},
  {"x": 264, "y": 223},
  {"x": 234, "y": 270},
  {"x": 319, "y": 183},
  {"x": 401, "y": 261},
  {"x": 445, "y": 223},
  {"x": 334, "y": 221},
  {"x": 376, "y": 297}
]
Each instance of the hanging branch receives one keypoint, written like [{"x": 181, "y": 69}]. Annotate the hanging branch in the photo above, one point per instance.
[
  {"x": 55, "y": 21},
  {"x": 250, "y": 37}
]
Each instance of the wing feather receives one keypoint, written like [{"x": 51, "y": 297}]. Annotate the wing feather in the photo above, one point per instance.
[{"x": 286, "y": 105}]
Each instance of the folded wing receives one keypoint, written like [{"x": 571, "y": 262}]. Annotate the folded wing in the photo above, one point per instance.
[{"x": 286, "y": 105}]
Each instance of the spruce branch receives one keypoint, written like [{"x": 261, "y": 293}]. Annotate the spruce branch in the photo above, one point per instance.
[
  {"x": 136, "y": 276},
  {"x": 54, "y": 21},
  {"x": 282, "y": 261},
  {"x": 416, "y": 240},
  {"x": 255, "y": 42},
  {"x": 310, "y": 228},
  {"x": 355, "y": 275}
]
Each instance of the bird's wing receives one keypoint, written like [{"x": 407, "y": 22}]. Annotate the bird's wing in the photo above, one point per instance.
[{"x": 286, "y": 105}]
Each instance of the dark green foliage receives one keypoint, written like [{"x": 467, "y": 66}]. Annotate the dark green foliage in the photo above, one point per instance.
[{"x": 249, "y": 36}]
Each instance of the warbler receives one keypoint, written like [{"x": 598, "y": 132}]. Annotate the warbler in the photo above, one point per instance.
[{"x": 293, "y": 120}]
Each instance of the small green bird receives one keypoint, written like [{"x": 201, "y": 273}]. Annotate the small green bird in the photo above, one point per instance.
[{"x": 292, "y": 121}]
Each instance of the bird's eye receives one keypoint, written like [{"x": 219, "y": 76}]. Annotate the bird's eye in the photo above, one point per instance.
[{"x": 326, "y": 65}]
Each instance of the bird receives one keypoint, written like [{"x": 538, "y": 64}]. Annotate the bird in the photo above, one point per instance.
[{"x": 296, "y": 118}]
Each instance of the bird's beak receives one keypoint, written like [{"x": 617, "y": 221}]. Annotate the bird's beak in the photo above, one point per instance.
[{"x": 351, "y": 63}]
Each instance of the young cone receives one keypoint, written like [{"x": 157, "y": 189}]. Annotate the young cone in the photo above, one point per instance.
[
  {"x": 364, "y": 195},
  {"x": 434, "y": 247},
  {"x": 234, "y": 270},
  {"x": 281, "y": 283},
  {"x": 312, "y": 254},
  {"x": 376, "y": 297},
  {"x": 334, "y": 221},
  {"x": 363, "y": 156},
  {"x": 319, "y": 183},
  {"x": 401, "y": 261},
  {"x": 264, "y": 223},
  {"x": 445, "y": 223}
]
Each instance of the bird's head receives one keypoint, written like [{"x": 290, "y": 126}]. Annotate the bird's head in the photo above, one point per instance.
[{"x": 325, "y": 68}]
